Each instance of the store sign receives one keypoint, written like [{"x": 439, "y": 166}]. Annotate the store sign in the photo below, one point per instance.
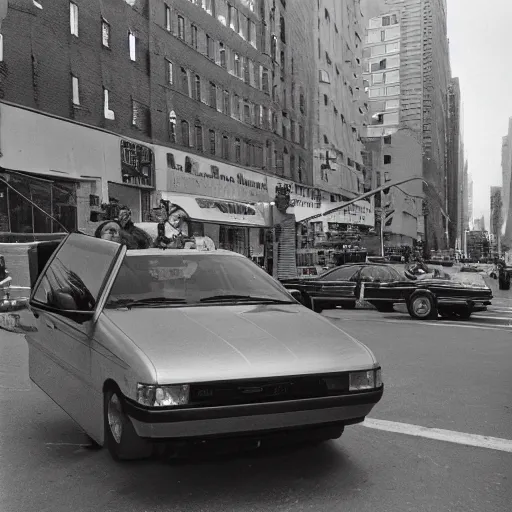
[
  {"x": 191, "y": 174},
  {"x": 137, "y": 164}
]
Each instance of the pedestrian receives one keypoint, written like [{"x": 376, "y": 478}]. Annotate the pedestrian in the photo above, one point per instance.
[{"x": 134, "y": 237}]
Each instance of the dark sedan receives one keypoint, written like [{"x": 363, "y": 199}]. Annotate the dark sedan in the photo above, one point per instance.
[{"x": 383, "y": 286}]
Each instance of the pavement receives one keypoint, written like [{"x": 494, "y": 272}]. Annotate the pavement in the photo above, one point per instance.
[{"x": 440, "y": 439}]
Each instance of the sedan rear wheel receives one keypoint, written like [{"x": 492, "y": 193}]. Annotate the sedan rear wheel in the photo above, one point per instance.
[
  {"x": 122, "y": 441},
  {"x": 422, "y": 306}
]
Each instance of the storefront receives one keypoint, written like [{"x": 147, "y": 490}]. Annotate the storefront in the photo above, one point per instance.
[{"x": 227, "y": 203}]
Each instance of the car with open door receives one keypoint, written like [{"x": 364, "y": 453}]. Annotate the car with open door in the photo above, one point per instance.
[
  {"x": 151, "y": 345},
  {"x": 383, "y": 286}
]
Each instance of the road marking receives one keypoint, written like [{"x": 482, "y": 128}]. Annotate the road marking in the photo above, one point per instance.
[
  {"x": 450, "y": 436},
  {"x": 481, "y": 317}
]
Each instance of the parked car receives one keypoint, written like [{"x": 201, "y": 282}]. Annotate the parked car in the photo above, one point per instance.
[
  {"x": 165, "y": 345},
  {"x": 384, "y": 287}
]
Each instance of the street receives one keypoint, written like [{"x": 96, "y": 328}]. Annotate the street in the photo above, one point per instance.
[{"x": 443, "y": 375}]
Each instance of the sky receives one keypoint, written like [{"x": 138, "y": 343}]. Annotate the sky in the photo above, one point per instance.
[{"x": 480, "y": 42}]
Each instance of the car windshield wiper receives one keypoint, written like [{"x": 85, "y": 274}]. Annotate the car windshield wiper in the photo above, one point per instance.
[
  {"x": 152, "y": 301},
  {"x": 244, "y": 298}
]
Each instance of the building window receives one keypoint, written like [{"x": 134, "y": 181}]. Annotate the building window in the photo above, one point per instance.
[
  {"x": 198, "y": 87},
  {"x": 387, "y": 159},
  {"x": 222, "y": 52},
  {"x": 107, "y": 112},
  {"x": 292, "y": 165},
  {"x": 199, "y": 137},
  {"x": 326, "y": 140},
  {"x": 247, "y": 113},
  {"x": 225, "y": 147},
  {"x": 238, "y": 154},
  {"x": 141, "y": 116},
  {"x": 172, "y": 126},
  {"x": 387, "y": 139},
  {"x": 273, "y": 47},
  {"x": 181, "y": 27},
  {"x": 210, "y": 50},
  {"x": 238, "y": 71},
  {"x": 170, "y": 72},
  {"x": 226, "y": 103},
  {"x": 133, "y": 46},
  {"x": 324, "y": 76},
  {"x": 73, "y": 18},
  {"x": 247, "y": 74},
  {"x": 76, "y": 95},
  {"x": 185, "y": 134},
  {"x": 213, "y": 95},
  {"x": 302, "y": 103},
  {"x": 252, "y": 33},
  {"x": 167, "y": 18},
  {"x": 282, "y": 29},
  {"x": 377, "y": 66},
  {"x": 236, "y": 105},
  {"x": 302, "y": 138},
  {"x": 264, "y": 81},
  {"x": 184, "y": 82},
  {"x": 326, "y": 100},
  {"x": 105, "y": 34},
  {"x": 212, "y": 142},
  {"x": 209, "y": 6},
  {"x": 193, "y": 36}
]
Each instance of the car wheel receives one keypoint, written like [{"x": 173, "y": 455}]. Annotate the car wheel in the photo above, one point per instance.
[
  {"x": 349, "y": 305},
  {"x": 384, "y": 308},
  {"x": 122, "y": 441},
  {"x": 421, "y": 305}
]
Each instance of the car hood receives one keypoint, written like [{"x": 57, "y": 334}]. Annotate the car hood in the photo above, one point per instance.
[{"x": 198, "y": 344}]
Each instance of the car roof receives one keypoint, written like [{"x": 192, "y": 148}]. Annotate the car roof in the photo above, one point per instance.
[{"x": 176, "y": 252}]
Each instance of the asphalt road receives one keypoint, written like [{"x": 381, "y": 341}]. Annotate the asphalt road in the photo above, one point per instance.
[{"x": 436, "y": 374}]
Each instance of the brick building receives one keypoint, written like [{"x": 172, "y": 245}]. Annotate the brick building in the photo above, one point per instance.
[{"x": 141, "y": 100}]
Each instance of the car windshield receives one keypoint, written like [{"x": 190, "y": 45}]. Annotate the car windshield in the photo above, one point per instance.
[{"x": 168, "y": 279}]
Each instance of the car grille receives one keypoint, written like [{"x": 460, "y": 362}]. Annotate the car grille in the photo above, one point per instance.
[{"x": 241, "y": 392}]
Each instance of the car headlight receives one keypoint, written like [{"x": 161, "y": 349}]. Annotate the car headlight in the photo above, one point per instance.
[
  {"x": 163, "y": 396},
  {"x": 363, "y": 381}
]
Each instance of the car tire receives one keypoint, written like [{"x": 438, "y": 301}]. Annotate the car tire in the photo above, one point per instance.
[
  {"x": 122, "y": 441},
  {"x": 349, "y": 305},
  {"x": 384, "y": 308},
  {"x": 422, "y": 306}
]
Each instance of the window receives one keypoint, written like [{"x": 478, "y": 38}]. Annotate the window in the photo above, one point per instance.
[
  {"x": 212, "y": 142},
  {"x": 225, "y": 147},
  {"x": 198, "y": 87},
  {"x": 238, "y": 71},
  {"x": 167, "y": 18},
  {"x": 326, "y": 100},
  {"x": 393, "y": 90},
  {"x": 247, "y": 113},
  {"x": 213, "y": 95},
  {"x": 386, "y": 21},
  {"x": 273, "y": 47},
  {"x": 222, "y": 52},
  {"x": 392, "y": 104},
  {"x": 328, "y": 59},
  {"x": 302, "y": 139},
  {"x": 199, "y": 137},
  {"x": 282, "y": 28},
  {"x": 387, "y": 139},
  {"x": 247, "y": 74},
  {"x": 391, "y": 33},
  {"x": 265, "y": 87},
  {"x": 302, "y": 103},
  {"x": 141, "y": 116},
  {"x": 209, "y": 6},
  {"x": 292, "y": 131},
  {"x": 172, "y": 126},
  {"x": 76, "y": 96},
  {"x": 324, "y": 77},
  {"x": 392, "y": 77},
  {"x": 378, "y": 50},
  {"x": 379, "y": 91},
  {"x": 238, "y": 154},
  {"x": 210, "y": 47},
  {"x": 252, "y": 33},
  {"x": 133, "y": 46},
  {"x": 377, "y": 78},
  {"x": 193, "y": 36},
  {"x": 105, "y": 34},
  {"x": 326, "y": 140},
  {"x": 377, "y": 66},
  {"x": 185, "y": 134},
  {"x": 107, "y": 112},
  {"x": 181, "y": 27},
  {"x": 184, "y": 82},
  {"x": 226, "y": 104},
  {"x": 73, "y": 18},
  {"x": 391, "y": 47},
  {"x": 170, "y": 72},
  {"x": 387, "y": 159},
  {"x": 340, "y": 274}
]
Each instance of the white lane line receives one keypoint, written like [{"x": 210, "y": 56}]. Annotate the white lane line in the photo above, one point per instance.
[
  {"x": 506, "y": 318},
  {"x": 450, "y": 436}
]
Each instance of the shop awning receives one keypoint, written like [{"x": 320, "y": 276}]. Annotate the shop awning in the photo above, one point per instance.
[{"x": 218, "y": 211}]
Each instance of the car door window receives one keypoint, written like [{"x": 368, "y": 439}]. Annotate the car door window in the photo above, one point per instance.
[
  {"x": 381, "y": 274},
  {"x": 76, "y": 276},
  {"x": 340, "y": 274}
]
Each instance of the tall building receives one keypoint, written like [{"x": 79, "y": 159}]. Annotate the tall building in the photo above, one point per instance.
[
  {"x": 206, "y": 103},
  {"x": 506, "y": 169},
  {"x": 495, "y": 211},
  {"x": 470, "y": 202},
  {"x": 409, "y": 109},
  {"x": 455, "y": 162}
]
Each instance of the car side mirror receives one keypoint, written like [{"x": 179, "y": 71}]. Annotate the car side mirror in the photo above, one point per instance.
[
  {"x": 296, "y": 294},
  {"x": 64, "y": 301}
]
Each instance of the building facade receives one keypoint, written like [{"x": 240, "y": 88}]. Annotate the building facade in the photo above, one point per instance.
[
  {"x": 506, "y": 169},
  {"x": 407, "y": 76},
  {"x": 205, "y": 103}
]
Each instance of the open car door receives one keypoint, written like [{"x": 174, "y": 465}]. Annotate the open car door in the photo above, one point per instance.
[{"x": 64, "y": 303}]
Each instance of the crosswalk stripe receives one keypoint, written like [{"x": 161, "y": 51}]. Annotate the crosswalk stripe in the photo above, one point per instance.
[{"x": 438, "y": 434}]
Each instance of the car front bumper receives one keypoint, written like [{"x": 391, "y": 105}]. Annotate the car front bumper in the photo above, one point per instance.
[{"x": 252, "y": 418}]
